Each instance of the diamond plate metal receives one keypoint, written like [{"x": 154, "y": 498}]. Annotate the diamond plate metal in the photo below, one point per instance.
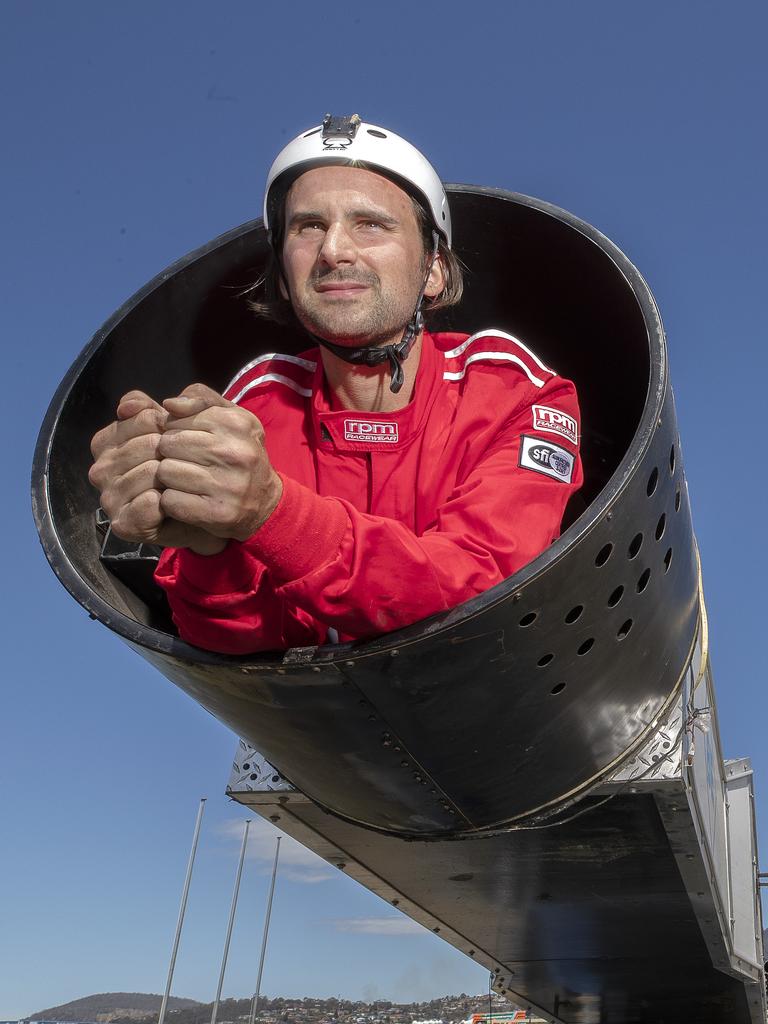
[{"x": 251, "y": 772}]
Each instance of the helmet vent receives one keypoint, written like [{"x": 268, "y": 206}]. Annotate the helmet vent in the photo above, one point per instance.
[
  {"x": 379, "y": 135},
  {"x": 313, "y": 132}
]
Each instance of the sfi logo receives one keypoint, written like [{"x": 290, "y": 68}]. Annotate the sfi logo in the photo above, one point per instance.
[
  {"x": 553, "y": 421},
  {"x": 370, "y": 431},
  {"x": 549, "y": 459}
]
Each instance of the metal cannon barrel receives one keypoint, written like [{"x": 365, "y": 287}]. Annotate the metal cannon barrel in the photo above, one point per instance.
[{"x": 512, "y": 704}]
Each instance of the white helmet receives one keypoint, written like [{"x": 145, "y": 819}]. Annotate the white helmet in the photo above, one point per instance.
[{"x": 348, "y": 140}]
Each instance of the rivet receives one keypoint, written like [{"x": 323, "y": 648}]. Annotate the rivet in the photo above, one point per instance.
[
  {"x": 394, "y": 653},
  {"x": 274, "y": 817},
  {"x": 350, "y": 664}
]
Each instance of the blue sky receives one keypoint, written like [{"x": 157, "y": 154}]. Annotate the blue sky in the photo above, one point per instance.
[{"x": 136, "y": 132}]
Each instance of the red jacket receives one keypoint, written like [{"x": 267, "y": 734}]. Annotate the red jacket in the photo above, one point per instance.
[{"x": 386, "y": 518}]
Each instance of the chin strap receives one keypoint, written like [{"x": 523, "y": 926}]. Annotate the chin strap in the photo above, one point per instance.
[{"x": 396, "y": 354}]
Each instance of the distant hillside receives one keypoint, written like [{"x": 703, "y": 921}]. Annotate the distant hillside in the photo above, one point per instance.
[{"x": 106, "y": 1005}]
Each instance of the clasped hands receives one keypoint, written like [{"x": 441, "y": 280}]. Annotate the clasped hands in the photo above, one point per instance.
[{"x": 191, "y": 472}]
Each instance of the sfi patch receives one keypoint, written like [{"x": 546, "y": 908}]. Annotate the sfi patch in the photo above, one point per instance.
[
  {"x": 547, "y": 458},
  {"x": 553, "y": 421}
]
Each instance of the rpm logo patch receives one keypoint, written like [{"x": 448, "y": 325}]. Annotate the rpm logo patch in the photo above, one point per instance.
[
  {"x": 370, "y": 431},
  {"x": 555, "y": 422},
  {"x": 544, "y": 457}
]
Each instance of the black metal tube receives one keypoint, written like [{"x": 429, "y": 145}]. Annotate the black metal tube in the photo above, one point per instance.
[{"x": 514, "y": 702}]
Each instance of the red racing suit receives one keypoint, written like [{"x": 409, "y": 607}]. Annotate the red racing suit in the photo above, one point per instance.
[{"x": 386, "y": 518}]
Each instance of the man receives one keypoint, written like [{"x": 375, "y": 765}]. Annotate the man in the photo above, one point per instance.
[{"x": 383, "y": 475}]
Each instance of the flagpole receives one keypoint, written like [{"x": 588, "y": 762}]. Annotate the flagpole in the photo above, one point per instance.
[
  {"x": 182, "y": 910},
  {"x": 257, "y": 993},
  {"x": 231, "y": 922}
]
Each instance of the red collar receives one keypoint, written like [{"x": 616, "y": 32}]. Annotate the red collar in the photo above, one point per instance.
[{"x": 346, "y": 430}]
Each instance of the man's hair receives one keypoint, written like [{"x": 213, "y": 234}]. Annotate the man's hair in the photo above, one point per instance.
[{"x": 271, "y": 305}]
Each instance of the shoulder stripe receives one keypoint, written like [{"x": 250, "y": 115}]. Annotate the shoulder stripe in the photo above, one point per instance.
[
  {"x": 506, "y": 356},
  {"x": 306, "y": 364},
  {"x": 492, "y": 333},
  {"x": 279, "y": 378}
]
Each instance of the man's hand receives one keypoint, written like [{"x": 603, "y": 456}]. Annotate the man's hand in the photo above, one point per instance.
[
  {"x": 125, "y": 472},
  {"x": 213, "y": 471},
  {"x": 125, "y": 467}
]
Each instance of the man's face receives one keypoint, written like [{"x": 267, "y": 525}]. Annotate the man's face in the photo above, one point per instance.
[{"x": 353, "y": 256}]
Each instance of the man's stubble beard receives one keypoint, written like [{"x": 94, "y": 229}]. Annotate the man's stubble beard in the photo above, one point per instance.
[{"x": 372, "y": 320}]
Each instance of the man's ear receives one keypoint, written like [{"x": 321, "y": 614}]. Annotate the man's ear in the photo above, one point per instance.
[{"x": 436, "y": 279}]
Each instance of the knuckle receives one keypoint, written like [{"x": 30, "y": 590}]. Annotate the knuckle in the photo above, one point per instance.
[
  {"x": 162, "y": 473},
  {"x": 99, "y": 441},
  {"x": 95, "y": 476},
  {"x": 165, "y": 444},
  {"x": 151, "y": 419}
]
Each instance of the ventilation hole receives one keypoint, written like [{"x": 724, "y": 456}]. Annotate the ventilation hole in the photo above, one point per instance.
[
  {"x": 586, "y": 646},
  {"x": 313, "y": 132},
  {"x": 624, "y": 629},
  {"x": 603, "y": 555},
  {"x": 677, "y": 500},
  {"x": 544, "y": 660},
  {"x": 642, "y": 583},
  {"x": 574, "y": 613},
  {"x": 634, "y": 547},
  {"x": 615, "y": 597},
  {"x": 660, "y": 526},
  {"x": 672, "y": 459},
  {"x": 653, "y": 479},
  {"x": 557, "y": 689},
  {"x": 528, "y": 619},
  {"x": 667, "y": 560},
  {"x": 379, "y": 135}
]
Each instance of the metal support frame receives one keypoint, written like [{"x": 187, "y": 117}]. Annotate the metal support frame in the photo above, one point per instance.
[{"x": 706, "y": 850}]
